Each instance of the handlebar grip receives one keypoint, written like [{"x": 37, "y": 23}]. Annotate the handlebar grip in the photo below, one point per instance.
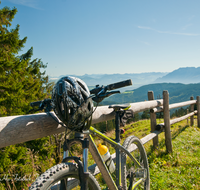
[
  {"x": 119, "y": 84},
  {"x": 34, "y": 104}
]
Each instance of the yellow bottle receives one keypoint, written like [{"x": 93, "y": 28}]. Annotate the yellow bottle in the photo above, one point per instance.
[{"x": 103, "y": 150}]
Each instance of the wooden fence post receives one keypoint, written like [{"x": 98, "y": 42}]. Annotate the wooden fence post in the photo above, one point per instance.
[
  {"x": 153, "y": 120},
  {"x": 191, "y": 110},
  {"x": 198, "y": 111},
  {"x": 168, "y": 138}
]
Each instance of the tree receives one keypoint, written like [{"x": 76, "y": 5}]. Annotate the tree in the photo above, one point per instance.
[
  {"x": 21, "y": 80},
  {"x": 145, "y": 114},
  {"x": 136, "y": 117}
]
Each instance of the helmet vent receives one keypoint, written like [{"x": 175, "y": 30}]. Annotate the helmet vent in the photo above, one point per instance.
[
  {"x": 70, "y": 82},
  {"x": 82, "y": 86},
  {"x": 60, "y": 89},
  {"x": 83, "y": 95},
  {"x": 89, "y": 106}
]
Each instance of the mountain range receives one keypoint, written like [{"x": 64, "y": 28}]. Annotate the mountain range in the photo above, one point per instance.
[
  {"x": 181, "y": 85},
  {"x": 177, "y": 93},
  {"x": 138, "y": 79},
  {"x": 185, "y": 75}
]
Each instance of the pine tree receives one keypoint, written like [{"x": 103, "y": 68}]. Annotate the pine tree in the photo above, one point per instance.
[
  {"x": 21, "y": 80},
  {"x": 145, "y": 114}
]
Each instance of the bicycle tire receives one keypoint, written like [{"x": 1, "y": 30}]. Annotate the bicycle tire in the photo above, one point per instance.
[
  {"x": 127, "y": 166},
  {"x": 49, "y": 180}
]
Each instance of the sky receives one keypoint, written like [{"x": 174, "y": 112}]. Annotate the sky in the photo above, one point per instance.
[{"x": 77, "y": 37}]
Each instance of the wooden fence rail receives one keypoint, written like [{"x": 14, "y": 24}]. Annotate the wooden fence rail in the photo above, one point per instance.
[
  {"x": 19, "y": 129},
  {"x": 176, "y": 105}
]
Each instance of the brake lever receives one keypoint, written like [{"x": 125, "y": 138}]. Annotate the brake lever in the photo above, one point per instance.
[
  {"x": 112, "y": 92},
  {"x": 103, "y": 91},
  {"x": 100, "y": 97},
  {"x": 43, "y": 105}
]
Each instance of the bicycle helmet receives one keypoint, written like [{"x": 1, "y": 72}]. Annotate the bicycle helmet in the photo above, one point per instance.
[{"x": 72, "y": 103}]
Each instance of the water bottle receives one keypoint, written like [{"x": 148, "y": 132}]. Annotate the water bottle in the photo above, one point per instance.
[{"x": 103, "y": 150}]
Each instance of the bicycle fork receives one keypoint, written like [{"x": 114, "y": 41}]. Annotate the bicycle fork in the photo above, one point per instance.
[{"x": 82, "y": 166}]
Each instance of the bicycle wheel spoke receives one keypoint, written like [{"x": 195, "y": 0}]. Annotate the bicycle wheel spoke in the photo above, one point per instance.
[{"x": 134, "y": 177}]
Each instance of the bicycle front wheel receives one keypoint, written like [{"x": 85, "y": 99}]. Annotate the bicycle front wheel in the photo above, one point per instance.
[
  {"x": 131, "y": 173},
  {"x": 65, "y": 172}
]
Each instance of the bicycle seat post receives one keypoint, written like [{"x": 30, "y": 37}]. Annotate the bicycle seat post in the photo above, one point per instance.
[
  {"x": 118, "y": 110},
  {"x": 117, "y": 126},
  {"x": 118, "y": 152}
]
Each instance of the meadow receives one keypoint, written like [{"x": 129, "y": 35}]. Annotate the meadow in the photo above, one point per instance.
[{"x": 177, "y": 170}]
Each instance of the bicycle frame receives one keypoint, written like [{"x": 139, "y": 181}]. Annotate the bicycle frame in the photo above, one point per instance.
[
  {"x": 100, "y": 163},
  {"x": 102, "y": 167}
]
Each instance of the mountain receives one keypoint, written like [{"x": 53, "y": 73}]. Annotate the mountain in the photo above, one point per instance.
[
  {"x": 177, "y": 93},
  {"x": 184, "y": 75},
  {"x": 176, "y": 82},
  {"x": 138, "y": 79}
]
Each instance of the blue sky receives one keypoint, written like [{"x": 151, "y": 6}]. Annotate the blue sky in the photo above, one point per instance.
[{"x": 77, "y": 37}]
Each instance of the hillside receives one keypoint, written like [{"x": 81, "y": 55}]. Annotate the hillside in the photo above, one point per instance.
[
  {"x": 184, "y": 75},
  {"x": 178, "y": 170},
  {"x": 177, "y": 92}
]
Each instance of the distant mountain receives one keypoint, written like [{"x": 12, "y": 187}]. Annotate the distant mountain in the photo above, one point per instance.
[
  {"x": 177, "y": 93},
  {"x": 138, "y": 79},
  {"x": 184, "y": 75},
  {"x": 176, "y": 82}
]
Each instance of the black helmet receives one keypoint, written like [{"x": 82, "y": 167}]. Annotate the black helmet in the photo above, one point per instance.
[{"x": 72, "y": 103}]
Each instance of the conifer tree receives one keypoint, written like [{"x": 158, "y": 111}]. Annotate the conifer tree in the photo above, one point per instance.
[
  {"x": 21, "y": 82},
  {"x": 21, "y": 79}
]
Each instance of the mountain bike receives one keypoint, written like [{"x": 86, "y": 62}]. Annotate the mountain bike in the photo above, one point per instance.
[{"x": 131, "y": 163}]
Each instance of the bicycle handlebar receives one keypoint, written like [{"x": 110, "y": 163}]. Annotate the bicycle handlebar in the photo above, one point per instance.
[
  {"x": 100, "y": 92},
  {"x": 45, "y": 104},
  {"x": 111, "y": 86},
  {"x": 119, "y": 84}
]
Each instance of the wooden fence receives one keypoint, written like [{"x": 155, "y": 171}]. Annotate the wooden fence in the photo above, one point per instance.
[
  {"x": 164, "y": 107},
  {"x": 19, "y": 129}
]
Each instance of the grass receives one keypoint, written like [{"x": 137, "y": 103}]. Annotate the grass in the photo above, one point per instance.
[
  {"x": 177, "y": 170},
  {"x": 180, "y": 169}
]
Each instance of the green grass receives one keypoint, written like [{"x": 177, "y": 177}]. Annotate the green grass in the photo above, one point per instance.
[{"x": 178, "y": 170}]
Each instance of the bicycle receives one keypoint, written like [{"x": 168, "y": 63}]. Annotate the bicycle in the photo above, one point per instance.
[{"x": 132, "y": 170}]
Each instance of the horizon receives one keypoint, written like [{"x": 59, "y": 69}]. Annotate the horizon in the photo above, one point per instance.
[
  {"x": 108, "y": 74},
  {"x": 119, "y": 73},
  {"x": 93, "y": 37}
]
